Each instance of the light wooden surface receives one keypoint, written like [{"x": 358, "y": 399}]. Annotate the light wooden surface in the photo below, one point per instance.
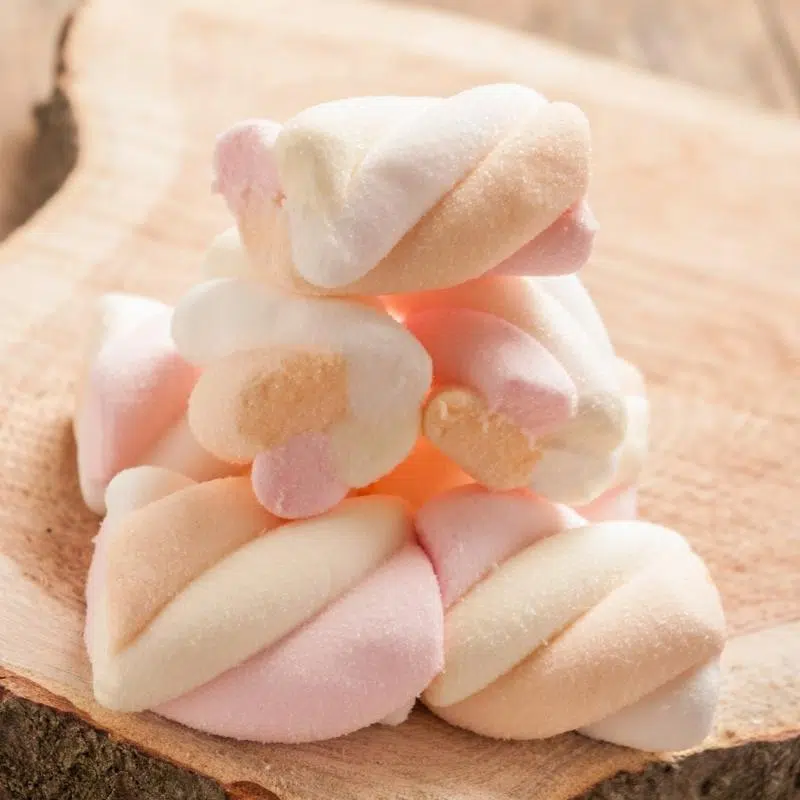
[
  {"x": 731, "y": 46},
  {"x": 696, "y": 271},
  {"x": 746, "y": 49},
  {"x": 784, "y": 19}
]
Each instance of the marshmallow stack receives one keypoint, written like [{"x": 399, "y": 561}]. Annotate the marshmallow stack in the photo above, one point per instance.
[{"x": 384, "y": 449}]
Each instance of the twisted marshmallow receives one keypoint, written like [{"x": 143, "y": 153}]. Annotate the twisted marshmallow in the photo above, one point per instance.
[
  {"x": 132, "y": 397},
  {"x": 551, "y": 625},
  {"x": 526, "y": 392},
  {"x": 208, "y": 609},
  {"x": 323, "y": 395},
  {"x": 381, "y": 195}
]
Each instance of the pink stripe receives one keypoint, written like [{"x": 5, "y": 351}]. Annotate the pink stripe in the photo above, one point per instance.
[
  {"x": 468, "y": 531},
  {"x": 513, "y": 372},
  {"x": 298, "y": 479},
  {"x": 357, "y": 662},
  {"x": 244, "y": 163},
  {"x": 561, "y": 249}
]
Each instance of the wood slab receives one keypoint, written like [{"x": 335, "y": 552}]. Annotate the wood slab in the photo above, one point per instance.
[
  {"x": 696, "y": 272},
  {"x": 749, "y": 52},
  {"x": 737, "y": 47}
]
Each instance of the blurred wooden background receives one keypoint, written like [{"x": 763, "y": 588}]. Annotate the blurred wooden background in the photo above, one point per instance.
[{"x": 746, "y": 49}]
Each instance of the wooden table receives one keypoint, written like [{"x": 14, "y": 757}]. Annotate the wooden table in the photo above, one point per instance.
[
  {"x": 746, "y": 49},
  {"x": 695, "y": 270}
]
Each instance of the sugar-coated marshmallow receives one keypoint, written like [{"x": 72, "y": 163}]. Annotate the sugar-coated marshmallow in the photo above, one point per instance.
[
  {"x": 322, "y": 394},
  {"x": 553, "y": 624},
  {"x": 532, "y": 399},
  {"x": 208, "y": 609},
  {"x": 379, "y": 195}
]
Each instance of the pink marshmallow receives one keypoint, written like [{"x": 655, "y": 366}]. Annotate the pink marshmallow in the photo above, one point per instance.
[
  {"x": 298, "y": 479},
  {"x": 513, "y": 372},
  {"x": 244, "y": 164},
  {"x": 137, "y": 387},
  {"x": 560, "y": 249},
  {"x": 356, "y": 663},
  {"x": 469, "y": 530}
]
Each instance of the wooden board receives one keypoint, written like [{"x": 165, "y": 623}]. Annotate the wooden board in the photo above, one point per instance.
[
  {"x": 696, "y": 271},
  {"x": 730, "y": 46},
  {"x": 746, "y": 49},
  {"x": 783, "y": 17}
]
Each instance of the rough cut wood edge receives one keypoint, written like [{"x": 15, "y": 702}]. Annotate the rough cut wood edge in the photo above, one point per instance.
[
  {"x": 733, "y": 52},
  {"x": 37, "y": 134},
  {"x": 48, "y": 751},
  {"x": 26, "y": 250}
]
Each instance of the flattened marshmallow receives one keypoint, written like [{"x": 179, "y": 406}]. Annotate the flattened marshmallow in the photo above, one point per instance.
[{"x": 563, "y": 248}]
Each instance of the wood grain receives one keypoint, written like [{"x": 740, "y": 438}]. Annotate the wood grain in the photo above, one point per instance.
[
  {"x": 696, "y": 272},
  {"x": 722, "y": 45},
  {"x": 783, "y": 19},
  {"x": 789, "y": 18},
  {"x": 747, "y": 49}
]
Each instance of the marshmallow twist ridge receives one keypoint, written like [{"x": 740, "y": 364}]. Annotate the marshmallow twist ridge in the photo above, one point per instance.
[
  {"x": 380, "y": 195},
  {"x": 552, "y": 624},
  {"x": 210, "y": 610}
]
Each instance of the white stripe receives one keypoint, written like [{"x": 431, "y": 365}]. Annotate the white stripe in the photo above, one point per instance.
[{"x": 400, "y": 179}]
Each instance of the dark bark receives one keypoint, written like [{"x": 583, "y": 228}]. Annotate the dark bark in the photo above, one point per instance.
[
  {"x": 51, "y": 755},
  {"x": 47, "y": 754},
  {"x": 755, "y": 771}
]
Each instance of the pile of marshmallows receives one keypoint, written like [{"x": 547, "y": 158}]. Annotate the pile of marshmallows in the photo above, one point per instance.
[{"x": 385, "y": 450}]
